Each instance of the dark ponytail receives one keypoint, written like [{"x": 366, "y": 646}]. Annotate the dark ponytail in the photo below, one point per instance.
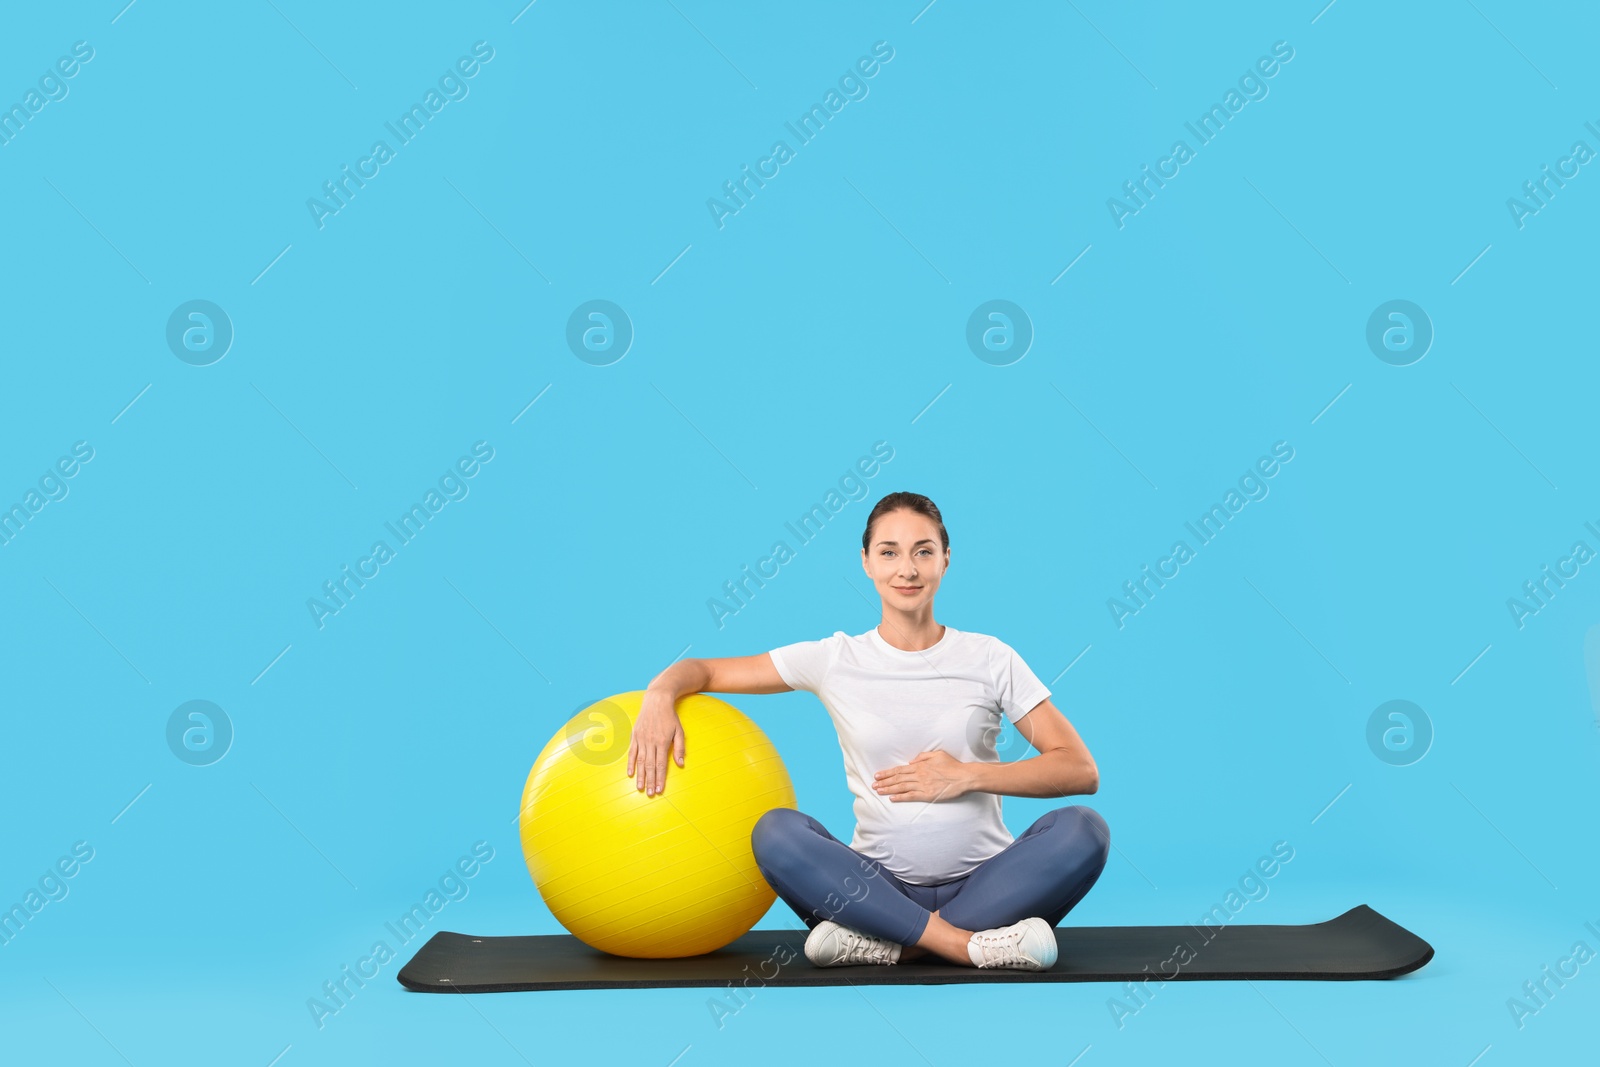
[{"x": 909, "y": 502}]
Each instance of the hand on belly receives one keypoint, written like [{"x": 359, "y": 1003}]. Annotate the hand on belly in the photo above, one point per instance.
[{"x": 930, "y": 776}]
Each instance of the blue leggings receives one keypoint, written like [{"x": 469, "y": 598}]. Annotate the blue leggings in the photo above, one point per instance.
[{"x": 1043, "y": 873}]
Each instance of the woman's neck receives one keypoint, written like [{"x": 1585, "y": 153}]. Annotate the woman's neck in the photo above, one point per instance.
[{"x": 911, "y": 635}]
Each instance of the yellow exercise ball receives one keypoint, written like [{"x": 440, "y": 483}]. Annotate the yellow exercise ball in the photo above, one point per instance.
[{"x": 658, "y": 876}]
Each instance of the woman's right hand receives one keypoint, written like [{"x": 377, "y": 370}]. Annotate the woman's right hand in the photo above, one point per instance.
[{"x": 656, "y": 732}]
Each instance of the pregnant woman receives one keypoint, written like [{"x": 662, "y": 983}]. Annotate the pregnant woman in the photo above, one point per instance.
[{"x": 931, "y": 868}]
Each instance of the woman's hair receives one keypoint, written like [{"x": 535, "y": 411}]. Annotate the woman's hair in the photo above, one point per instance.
[{"x": 909, "y": 502}]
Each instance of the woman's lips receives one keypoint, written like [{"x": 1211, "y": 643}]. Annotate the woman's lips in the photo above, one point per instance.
[{"x": 907, "y": 589}]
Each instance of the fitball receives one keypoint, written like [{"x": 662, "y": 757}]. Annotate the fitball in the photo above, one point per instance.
[{"x": 652, "y": 877}]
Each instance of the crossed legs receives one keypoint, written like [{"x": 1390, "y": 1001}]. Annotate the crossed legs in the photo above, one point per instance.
[{"x": 1044, "y": 873}]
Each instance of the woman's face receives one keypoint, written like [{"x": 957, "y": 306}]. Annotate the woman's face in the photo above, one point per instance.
[{"x": 905, "y": 559}]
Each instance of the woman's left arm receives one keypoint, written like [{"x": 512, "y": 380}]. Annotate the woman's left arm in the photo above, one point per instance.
[{"x": 1062, "y": 768}]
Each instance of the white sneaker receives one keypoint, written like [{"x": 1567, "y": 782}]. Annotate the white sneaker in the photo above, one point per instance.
[
  {"x": 832, "y": 945},
  {"x": 1029, "y": 945}
]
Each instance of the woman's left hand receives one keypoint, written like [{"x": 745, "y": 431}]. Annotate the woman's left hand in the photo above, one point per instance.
[{"x": 930, "y": 776}]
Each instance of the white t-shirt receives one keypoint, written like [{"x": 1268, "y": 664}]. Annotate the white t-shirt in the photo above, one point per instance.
[{"x": 887, "y": 705}]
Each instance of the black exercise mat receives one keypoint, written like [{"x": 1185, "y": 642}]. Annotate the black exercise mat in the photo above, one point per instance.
[{"x": 1360, "y": 944}]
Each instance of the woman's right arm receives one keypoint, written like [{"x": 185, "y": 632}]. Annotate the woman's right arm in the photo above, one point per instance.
[{"x": 658, "y": 730}]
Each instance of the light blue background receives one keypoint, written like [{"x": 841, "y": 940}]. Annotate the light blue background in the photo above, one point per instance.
[{"x": 828, "y": 314}]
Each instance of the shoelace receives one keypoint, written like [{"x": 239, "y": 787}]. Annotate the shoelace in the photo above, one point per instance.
[
  {"x": 1000, "y": 950},
  {"x": 860, "y": 946}
]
